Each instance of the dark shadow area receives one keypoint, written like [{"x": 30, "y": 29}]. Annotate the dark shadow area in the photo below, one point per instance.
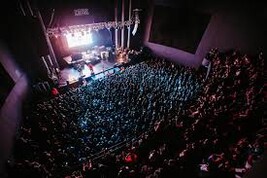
[
  {"x": 178, "y": 28},
  {"x": 6, "y": 85}
]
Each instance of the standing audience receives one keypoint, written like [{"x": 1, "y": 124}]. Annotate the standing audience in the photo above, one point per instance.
[{"x": 174, "y": 122}]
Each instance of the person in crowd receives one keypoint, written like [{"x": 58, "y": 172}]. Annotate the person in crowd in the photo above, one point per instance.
[
  {"x": 54, "y": 91},
  {"x": 175, "y": 123}
]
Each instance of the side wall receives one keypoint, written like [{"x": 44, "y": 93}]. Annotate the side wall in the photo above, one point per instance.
[
  {"x": 227, "y": 29},
  {"x": 11, "y": 111}
]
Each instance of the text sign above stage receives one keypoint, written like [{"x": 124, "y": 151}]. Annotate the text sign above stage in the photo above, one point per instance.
[{"x": 81, "y": 12}]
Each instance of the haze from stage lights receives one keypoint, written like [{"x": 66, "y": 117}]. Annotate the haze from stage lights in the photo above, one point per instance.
[{"x": 79, "y": 39}]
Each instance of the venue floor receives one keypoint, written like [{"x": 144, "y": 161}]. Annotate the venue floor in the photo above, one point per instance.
[{"x": 100, "y": 69}]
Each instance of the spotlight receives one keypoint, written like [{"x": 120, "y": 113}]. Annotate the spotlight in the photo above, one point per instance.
[{"x": 135, "y": 29}]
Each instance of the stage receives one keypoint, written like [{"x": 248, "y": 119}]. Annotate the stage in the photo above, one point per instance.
[{"x": 99, "y": 70}]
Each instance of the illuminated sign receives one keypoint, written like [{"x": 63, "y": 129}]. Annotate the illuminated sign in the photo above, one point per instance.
[{"x": 81, "y": 12}]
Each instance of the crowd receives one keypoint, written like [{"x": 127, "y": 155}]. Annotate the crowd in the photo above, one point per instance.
[
  {"x": 174, "y": 123},
  {"x": 63, "y": 132}
]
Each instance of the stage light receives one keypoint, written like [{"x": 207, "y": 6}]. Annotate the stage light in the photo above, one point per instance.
[
  {"x": 135, "y": 29},
  {"x": 136, "y": 20}
]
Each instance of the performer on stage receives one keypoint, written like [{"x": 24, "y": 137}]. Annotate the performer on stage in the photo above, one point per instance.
[{"x": 91, "y": 68}]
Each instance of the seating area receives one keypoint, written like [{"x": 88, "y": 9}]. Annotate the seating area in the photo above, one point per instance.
[{"x": 154, "y": 119}]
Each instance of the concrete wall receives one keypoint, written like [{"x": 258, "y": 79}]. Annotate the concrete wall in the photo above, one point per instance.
[
  {"x": 11, "y": 111},
  {"x": 231, "y": 29},
  {"x": 237, "y": 28}
]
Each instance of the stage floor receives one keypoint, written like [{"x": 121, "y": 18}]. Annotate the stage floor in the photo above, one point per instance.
[{"x": 72, "y": 75}]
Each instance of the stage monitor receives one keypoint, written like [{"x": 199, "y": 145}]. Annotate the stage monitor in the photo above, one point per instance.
[{"x": 77, "y": 39}]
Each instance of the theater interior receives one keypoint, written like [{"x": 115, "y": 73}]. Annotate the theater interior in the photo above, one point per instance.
[{"x": 133, "y": 89}]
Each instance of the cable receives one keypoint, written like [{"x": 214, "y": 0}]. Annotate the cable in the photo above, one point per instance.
[{"x": 52, "y": 17}]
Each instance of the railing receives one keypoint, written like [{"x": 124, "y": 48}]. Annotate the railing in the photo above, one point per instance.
[
  {"x": 112, "y": 149},
  {"x": 41, "y": 88}
]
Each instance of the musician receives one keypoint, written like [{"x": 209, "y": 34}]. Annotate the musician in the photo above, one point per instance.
[{"x": 91, "y": 68}]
